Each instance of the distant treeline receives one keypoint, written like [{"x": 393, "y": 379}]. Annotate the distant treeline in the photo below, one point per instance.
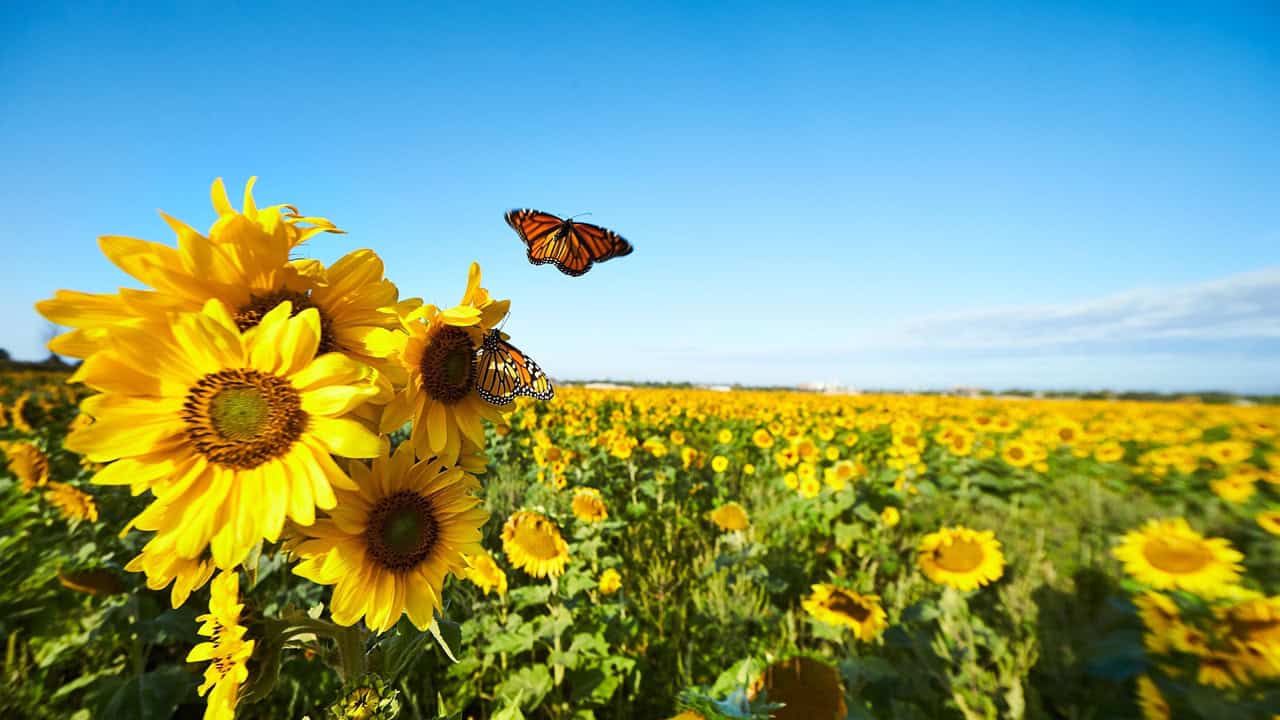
[
  {"x": 52, "y": 363},
  {"x": 1211, "y": 397}
]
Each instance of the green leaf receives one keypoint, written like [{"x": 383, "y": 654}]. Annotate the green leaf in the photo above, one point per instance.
[
  {"x": 530, "y": 684},
  {"x": 150, "y": 696},
  {"x": 444, "y": 631}
]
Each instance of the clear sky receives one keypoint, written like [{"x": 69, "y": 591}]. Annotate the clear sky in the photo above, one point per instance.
[{"x": 1055, "y": 195}]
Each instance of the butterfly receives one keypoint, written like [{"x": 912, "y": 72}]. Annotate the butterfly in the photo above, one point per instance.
[
  {"x": 503, "y": 372},
  {"x": 571, "y": 246}
]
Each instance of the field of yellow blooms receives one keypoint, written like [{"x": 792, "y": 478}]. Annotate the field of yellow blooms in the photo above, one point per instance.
[
  {"x": 273, "y": 488},
  {"x": 659, "y": 553}
]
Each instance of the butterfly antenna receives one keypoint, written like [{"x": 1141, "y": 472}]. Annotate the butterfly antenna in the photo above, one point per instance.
[{"x": 580, "y": 215}]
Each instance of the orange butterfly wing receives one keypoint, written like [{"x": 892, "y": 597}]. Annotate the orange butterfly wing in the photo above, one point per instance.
[
  {"x": 503, "y": 372},
  {"x": 571, "y": 247}
]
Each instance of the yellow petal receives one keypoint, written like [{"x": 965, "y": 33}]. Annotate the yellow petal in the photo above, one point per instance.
[{"x": 346, "y": 437}]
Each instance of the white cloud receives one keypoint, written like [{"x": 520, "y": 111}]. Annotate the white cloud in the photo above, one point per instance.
[{"x": 1239, "y": 307}]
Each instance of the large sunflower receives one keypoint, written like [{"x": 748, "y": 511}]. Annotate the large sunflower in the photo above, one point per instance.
[
  {"x": 244, "y": 262},
  {"x": 960, "y": 557},
  {"x": 1169, "y": 555},
  {"x": 533, "y": 543},
  {"x": 730, "y": 516},
  {"x": 227, "y": 651},
  {"x": 439, "y": 358},
  {"x": 231, "y": 431},
  {"x": 836, "y": 606},
  {"x": 389, "y": 543}
]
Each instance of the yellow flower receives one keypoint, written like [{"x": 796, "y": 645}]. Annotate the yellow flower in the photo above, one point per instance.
[
  {"x": 719, "y": 463},
  {"x": 163, "y": 565},
  {"x": 227, "y": 651},
  {"x": 835, "y": 606},
  {"x": 1269, "y": 520},
  {"x": 74, "y": 504},
  {"x": 748, "y": 469},
  {"x": 610, "y": 581},
  {"x": 231, "y": 431},
  {"x": 29, "y": 464},
  {"x": 588, "y": 506},
  {"x": 762, "y": 439},
  {"x": 1236, "y": 487},
  {"x": 1169, "y": 555},
  {"x": 807, "y": 689},
  {"x": 484, "y": 571},
  {"x": 244, "y": 262},
  {"x": 791, "y": 480},
  {"x": 724, "y": 437},
  {"x": 1109, "y": 452},
  {"x": 533, "y": 543},
  {"x": 1151, "y": 701},
  {"x": 890, "y": 516},
  {"x": 390, "y": 542},
  {"x": 677, "y": 437},
  {"x": 810, "y": 488},
  {"x": 960, "y": 557},
  {"x": 730, "y": 516},
  {"x": 1018, "y": 453},
  {"x": 1229, "y": 452},
  {"x": 439, "y": 359}
]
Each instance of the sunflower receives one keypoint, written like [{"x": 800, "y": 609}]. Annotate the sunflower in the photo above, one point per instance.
[
  {"x": 231, "y": 431},
  {"x": 1018, "y": 453},
  {"x": 74, "y": 503},
  {"x": 244, "y": 262},
  {"x": 1109, "y": 452},
  {"x": 227, "y": 651},
  {"x": 1169, "y": 555},
  {"x": 836, "y": 606},
  {"x": 439, "y": 359},
  {"x": 588, "y": 506},
  {"x": 1151, "y": 701},
  {"x": 808, "y": 689},
  {"x": 719, "y": 463},
  {"x": 1269, "y": 520},
  {"x": 890, "y": 516},
  {"x": 610, "y": 582},
  {"x": 163, "y": 565},
  {"x": 29, "y": 464},
  {"x": 533, "y": 543},
  {"x": 730, "y": 516},
  {"x": 390, "y": 542},
  {"x": 484, "y": 572},
  {"x": 960, "y": 557}
]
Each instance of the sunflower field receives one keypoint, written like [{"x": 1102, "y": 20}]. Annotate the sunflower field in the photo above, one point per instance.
[{"x": 271, "y": 489}]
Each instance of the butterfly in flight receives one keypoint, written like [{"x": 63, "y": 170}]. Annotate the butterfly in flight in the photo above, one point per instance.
[
  {"x": 503, "y": 372},
  {"x": 570, "y": 246}
]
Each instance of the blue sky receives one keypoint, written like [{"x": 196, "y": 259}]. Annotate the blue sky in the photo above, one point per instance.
[{"x": 1052, "y": 195}]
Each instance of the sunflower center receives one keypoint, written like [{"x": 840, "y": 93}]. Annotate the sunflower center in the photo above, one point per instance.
[
  {"x": 846, "y": 606},
  {"x": 1015, "y": 453},
  {"x": 960, "y": 556},
  {"x": 259, "y": 305},
  {"x": 1176, "y": 556},
  {"x": 448, "y": 365},
  {"x": 403, "y": 531},
  {"x": 242, "y": 418}
]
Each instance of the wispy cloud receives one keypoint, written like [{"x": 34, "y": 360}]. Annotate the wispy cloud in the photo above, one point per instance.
[{"x": 1239, "y": 307}]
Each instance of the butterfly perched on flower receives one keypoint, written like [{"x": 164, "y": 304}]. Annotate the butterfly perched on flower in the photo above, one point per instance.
[
  {"x": 571, "y": 246},
  {"x": 503, "y": 372}
]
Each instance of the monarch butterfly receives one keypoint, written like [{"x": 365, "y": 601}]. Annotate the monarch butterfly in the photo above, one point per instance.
[
  {"x": 571, "y": 246},
  {"x": 503, "y": 372}
]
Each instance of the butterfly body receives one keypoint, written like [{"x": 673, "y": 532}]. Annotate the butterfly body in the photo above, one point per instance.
[
  {"x": 504, "y": 372},
  {"x": 572, "y": 247}
]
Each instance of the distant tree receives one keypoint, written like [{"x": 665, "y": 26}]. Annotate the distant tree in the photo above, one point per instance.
[{"x": 4, "y": 356}]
